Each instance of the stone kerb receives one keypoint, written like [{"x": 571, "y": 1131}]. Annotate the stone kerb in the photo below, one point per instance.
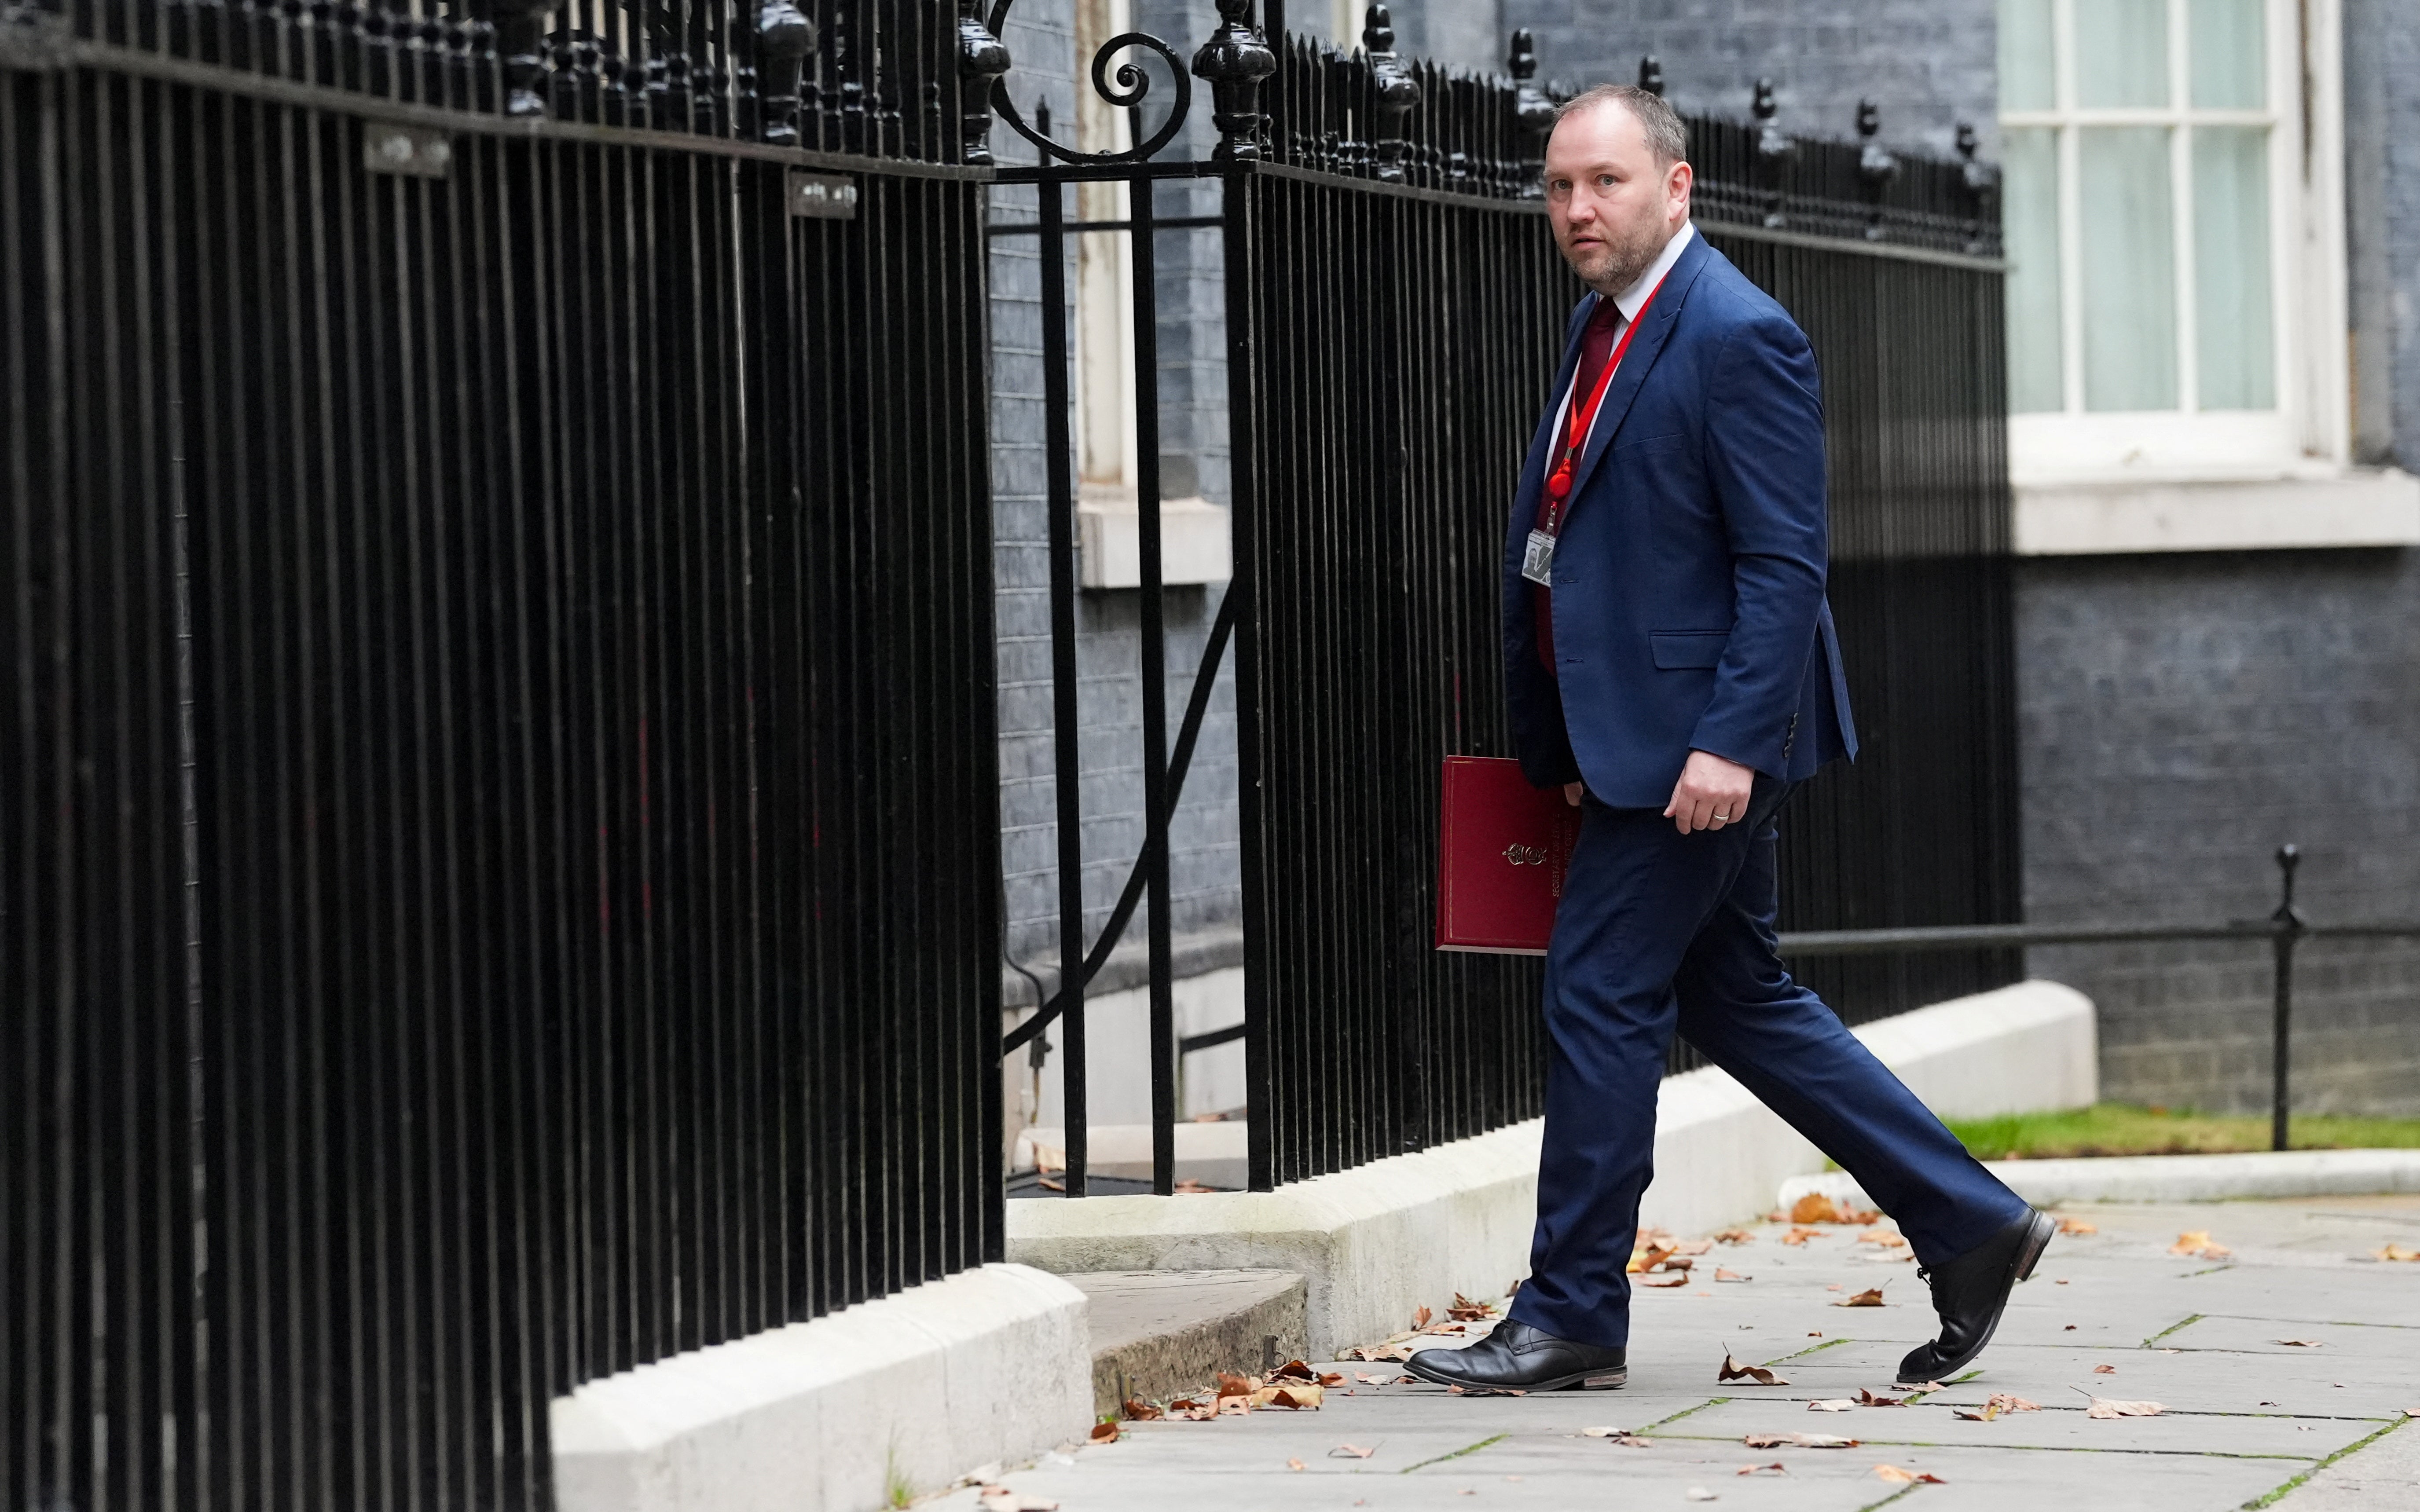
[{"x": 1378, "y": 1242}]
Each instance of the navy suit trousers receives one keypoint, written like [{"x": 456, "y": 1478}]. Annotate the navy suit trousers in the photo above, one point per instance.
[{"x": 1659, "y": 929}]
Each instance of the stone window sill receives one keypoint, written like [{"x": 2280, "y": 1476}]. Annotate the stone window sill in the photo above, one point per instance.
[
  {"x": 1194, "y": 544},
  {"x": 2352, "y": 507}
]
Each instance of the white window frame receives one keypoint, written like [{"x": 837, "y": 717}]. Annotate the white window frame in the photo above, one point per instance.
[{"x": 2307, "y": 434}]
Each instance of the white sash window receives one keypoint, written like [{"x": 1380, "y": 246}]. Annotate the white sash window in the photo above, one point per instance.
[{"x": 2173, "y": 209}]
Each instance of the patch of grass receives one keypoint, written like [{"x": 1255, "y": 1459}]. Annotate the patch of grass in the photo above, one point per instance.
[
  {"x": 2125, "y": 1129},
  {"x": 1465, "y": 1449},
  {"x": 2274, "y": 1492}
]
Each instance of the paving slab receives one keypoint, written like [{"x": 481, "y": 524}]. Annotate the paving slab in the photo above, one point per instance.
[{"x": 2315, "y": 1426}]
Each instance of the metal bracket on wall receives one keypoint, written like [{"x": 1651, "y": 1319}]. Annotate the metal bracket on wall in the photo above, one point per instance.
[
  {"x": 412, "y": 151},
  {"x": 34, "y": 41},
  {"x": 822, "y": 196}
]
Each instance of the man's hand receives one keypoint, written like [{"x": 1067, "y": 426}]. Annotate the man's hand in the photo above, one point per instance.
[{"x": 1712, "y": 793}]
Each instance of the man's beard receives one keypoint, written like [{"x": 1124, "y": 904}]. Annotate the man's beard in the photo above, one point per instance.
[{"x": 1624, "y": 259}]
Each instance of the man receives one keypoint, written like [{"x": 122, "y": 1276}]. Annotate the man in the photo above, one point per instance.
[{"x": 1672, "y": 662}]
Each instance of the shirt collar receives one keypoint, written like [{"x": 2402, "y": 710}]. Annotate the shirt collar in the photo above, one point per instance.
[{"x": 1630, "y": 300}]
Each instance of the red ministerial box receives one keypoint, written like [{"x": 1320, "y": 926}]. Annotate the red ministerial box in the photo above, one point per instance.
[{"x": 1503, "y": 849}]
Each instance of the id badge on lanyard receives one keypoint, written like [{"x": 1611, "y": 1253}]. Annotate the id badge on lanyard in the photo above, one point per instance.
[{"x": 1538, "y": 561}]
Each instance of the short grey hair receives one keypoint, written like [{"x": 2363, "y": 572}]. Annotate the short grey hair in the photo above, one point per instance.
[{"x": 1667, "y": 137}]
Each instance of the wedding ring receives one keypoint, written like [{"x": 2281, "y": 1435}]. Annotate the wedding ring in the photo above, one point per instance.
[{"x": 1722, "y": 819}]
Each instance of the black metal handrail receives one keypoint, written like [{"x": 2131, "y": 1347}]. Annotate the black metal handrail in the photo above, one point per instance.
[{"x": 2285, "y": 929}]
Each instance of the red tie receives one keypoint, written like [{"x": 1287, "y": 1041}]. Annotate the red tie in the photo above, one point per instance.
[{"x": 1596, "y": 349}]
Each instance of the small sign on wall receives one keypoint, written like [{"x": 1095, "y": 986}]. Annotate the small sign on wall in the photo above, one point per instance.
[
  {"x": 822, "y": 196},
  {"x": 414, "y": 152}
]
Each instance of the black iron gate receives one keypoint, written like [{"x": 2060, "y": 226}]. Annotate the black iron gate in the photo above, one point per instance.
[
  {"x": 498, "y": 858},
  {"x": 1393, "y": 307}
]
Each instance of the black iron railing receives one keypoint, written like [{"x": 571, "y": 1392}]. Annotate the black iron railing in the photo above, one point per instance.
[
  {"x": 1393, "y": 307},
  {"x": 499, "y": 841},
  {"x": 908, "y": 80},
  {"x": 2285, "y": 929}
]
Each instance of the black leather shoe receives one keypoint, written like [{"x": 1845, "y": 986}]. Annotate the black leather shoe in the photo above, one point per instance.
[
  {"x": 1517, "y": 1357},
  {"x": 1971, "y": 1292}
]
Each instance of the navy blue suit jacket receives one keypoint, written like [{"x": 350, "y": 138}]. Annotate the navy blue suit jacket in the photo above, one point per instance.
[{"x": 1688, "y": 581}]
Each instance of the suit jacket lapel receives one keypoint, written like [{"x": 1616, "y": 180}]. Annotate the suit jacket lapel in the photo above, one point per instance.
[{"x": 1639, "y": 359}]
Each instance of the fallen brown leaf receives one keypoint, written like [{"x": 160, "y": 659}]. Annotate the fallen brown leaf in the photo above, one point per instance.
[
  {"x": 1141, "y": 1411},
  {"x": 2398, "y": 1252},
  {"x": 1351, "y": 1451},
  {"x": 2105, "y": 1407},
  {"x": 1189, "y": 1187},
  {"x": 1678, "y": 1278},
  {"x": 1487, "y": 1391},
  {"x": 1734, "y": 1236},
  {"x": 1870, "y": 1297},
  {"x": 1814, "y": 1208},
  {"x": 1860, "y": 1215},
  {"x": 1798, "y": 1440},
  {"x": 1373, "y": 1381},
  {"x": 1233, "y": 1407},
  {"x": 1908, "y": 1477},
  {"x": 1721, "y": 1275},
  {"x": 2198, "y": 1242},
  {"x": 2105, "y": 1370},
  {"x": 1450, "y": 1328},
  {"x": 1887, "y": 1238},
  {"x": 1297, "y": 1464},
  {"x": 1868, "y": 1398},
  {"x": 1105, "y": 1433},
  {"x": 1800, "y": 1235},
  {"x": 1183, "y": 1404},
  {"x": 1632, "y": 1441},
  {"x": 1294, "y": 1370},
  {"x": 1468, "y": 1311},
  {"x": 1001, "y": 1499},
  {"x": 2303, "y": 1344},
  {"x": 1693, "y": 1247},
  {"x": 1832, "y": 1404},
  {"x": 1646, "y": 1258},
  {"x": 2007, "y": 1402},
  {"x": 1331, "y": 1377},
  {"x": 1421, "y": 1319},
  {"x": 1699, "y": 1494},
  {"x": 1238, "y": 1385},
  {"x": 1983, "y": 1414},
  {"x": 1293, "y": 1398},
  {"x": 1603, "y": 1433},
  {"x": 1761, "y": 1375},
  {"x": 2077, "y": 1226},
  {"x": 1776, "y": 1468},
  {"x": 1816, "y": 1334}
]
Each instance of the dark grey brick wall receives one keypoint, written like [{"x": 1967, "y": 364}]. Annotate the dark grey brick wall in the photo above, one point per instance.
[
  {"x": 2181, "y": 717},
  {"x": 1928, "y": 64},
  {"x": 1192, "y": 379},
  {"x": 2381, "y": 56}
]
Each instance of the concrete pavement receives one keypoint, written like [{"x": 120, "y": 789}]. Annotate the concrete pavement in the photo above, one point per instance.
[{"x": 2248, "y": 1419}]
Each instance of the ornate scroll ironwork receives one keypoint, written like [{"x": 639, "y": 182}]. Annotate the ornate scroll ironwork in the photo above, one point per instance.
[
  {"x": 982, "y": 58},
  {"x": 1233, "y": 63},
  {"x": 521, "y": 43},
  {"x": 1533, "y": 112},
  {"x": 784, "y": 36},
  {"x": 1394, "y": 92},
  {"x": 1129, "y": 93},
  {"x": 1876, "y": 167}
]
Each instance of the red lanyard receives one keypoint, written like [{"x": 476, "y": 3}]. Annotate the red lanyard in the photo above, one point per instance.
[{"x": 1559, "y": 484}]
